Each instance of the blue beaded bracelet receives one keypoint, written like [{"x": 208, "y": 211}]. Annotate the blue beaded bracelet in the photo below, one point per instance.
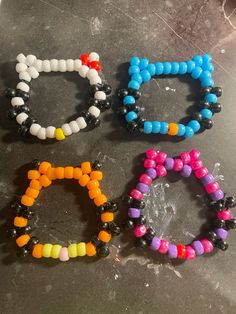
[{"x": 141, "y": 71}]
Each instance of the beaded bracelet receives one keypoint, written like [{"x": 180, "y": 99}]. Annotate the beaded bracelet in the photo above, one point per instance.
[
  {"x": 141, "y": 71},
  {"x": 29, "y": 68},
  {"x": 88, "y": 175},
  {"x": 156, "y": 165}
]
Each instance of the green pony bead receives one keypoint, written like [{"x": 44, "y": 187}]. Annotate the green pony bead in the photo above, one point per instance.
[
  {"x": 47, "y": 248},
  {"x": 72, "y": 250},
  {"x": 55, "y": 252},
  {"x": 81, "y": 249}
]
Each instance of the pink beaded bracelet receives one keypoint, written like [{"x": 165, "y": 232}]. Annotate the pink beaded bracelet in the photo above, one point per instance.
[{"x": 156, "y": 165}]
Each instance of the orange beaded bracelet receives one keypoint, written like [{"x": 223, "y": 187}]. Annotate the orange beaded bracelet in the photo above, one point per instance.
[{"x": 88, "y": 175}]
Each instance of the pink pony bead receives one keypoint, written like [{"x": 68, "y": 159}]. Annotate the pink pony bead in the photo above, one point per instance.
[
  {"x": 212, "y": 187},
  {"x": 149, "y": 163},
  {"x": 160, "y": 158},
  {"x": 224, "y": 214},
  {"x": 164, "y": 246},
  {"x": 144, "y": 178},
  {"x": 194, "y": 154},
  {"x": 207, "y": 245},
  {"x": 151, "y": 153},
  {"x": 136, "y": 194},
  {"x": 178, "y": 164},
  {"x": 190, "y": 253},
  {"x": 201, "y": 172},
  {"x": 140, "y": 231},
  {"x": 161, "y": 171},
  {"x": 196, "y": 164},
  {"x": 185, "y": 157},
  {"x": 64, "y": 256}
]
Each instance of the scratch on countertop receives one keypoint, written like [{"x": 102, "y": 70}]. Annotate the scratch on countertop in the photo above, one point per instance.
[
  {"x": 124, "y": 13},
  {"x": 227, "y": 17}
]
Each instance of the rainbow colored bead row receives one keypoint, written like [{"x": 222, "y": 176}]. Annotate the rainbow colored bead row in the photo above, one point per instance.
[{"x": 156, "y": 165}]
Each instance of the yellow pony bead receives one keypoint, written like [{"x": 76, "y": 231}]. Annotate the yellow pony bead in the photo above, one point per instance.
[
  {"x": 55, "y": 252},
  {"x": 47, "y": 248},
  {"x": 59, "y": 134},
  {"x": 81, "y": 249},
  {"x": 72, "y": 250}
]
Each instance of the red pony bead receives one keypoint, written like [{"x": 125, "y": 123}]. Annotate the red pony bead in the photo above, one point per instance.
[
  {"x": 95, "y": 65},
  {"x": 181, "y": 251},
  {"x": 84, "y": 58}
]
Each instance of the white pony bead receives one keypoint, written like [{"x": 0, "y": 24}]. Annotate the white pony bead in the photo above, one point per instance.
[
  {"x": 46, "y": 67},
  {"x": 42, "y": 134},
  {"x": 95, "y": 80},
  {"x": 77, "y": 64},
  {"x": 93, "y": 56},
  {"x": 94, "y": 111},
  {"x": 17, "y": 101},
  {"x": 21, "y": 67},
  {"x": 92, "y": 73},
  {"x": 33, "y": 72},
  {"x": 74, "y": 127},
  {"x": 21, "y": 117},
  {"x": 100, "y": 95},
  {"x": 35, "y": 127},
  {"x": 25, "y": 76},
  {"x": 81, "y": 123},
  {"x": 30, "y": 59},
  {"x": 83, "y": 70},
  {"x": 54, "y": 65},
  {"x": 23, "y": 86},
  {"x": 70, "y": 65},
  {"x": 21, "y": 58},
  {"x": 38, "y": 64},
  {"x": 50, "y": 131},
  {"x": 66, "y": 129},
  {"x": 62, "y": 65}
]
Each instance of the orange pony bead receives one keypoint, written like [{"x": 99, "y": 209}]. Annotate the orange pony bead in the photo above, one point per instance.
[
  {"x": 173, "y": 129},
  {"x": 94, "y": 193},
  {"x": 22, "y": 240},
  {"x": 27, "y": 201},
  {"x": 44, "y": 166},
  {"x": 96, "y": 175},
  {"x": 37, "y": 250},
  {"x": 104, "y": 236},
  {"x": 60, "y": 173},
  {"x": 90, "y": 249},
  {"x": 44, "y": 181},
  {"x": 32, "y": 193},
  {"x": 69, "y": 173},
  {"x": 34, "y": 184},
  {"x": 100, "y": 200},
  {"x": 107, "y": 217},
  {"x": 84, "y": 180},
  {"x": 93, "y": 184},
  {"x": 86, "y": 167},
  {"x": 20, "y": 221},
  {"x": 51, "y": 173},
  {"x": 77, "y": 173},
  {"x": 33, "y": 174}
]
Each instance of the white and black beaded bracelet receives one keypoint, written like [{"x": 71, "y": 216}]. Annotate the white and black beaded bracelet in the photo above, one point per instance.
[{"x": 29, "y": 68}]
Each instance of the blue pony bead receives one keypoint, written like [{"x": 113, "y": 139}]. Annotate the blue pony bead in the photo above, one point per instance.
[
  {"x": 208, "y": 67},
  {"x": 206, "y": 113},
  {"x": 195, "y": 125},
  {"x": 188, "y": 132},
  {"x": 143, "y": 64},
  {"x": 181, "y": 129},
  {"x": 146, "y": 76},
  {"x": 164, "y": 128},
  {"x": 137, "y": 77},
  {"x": 156, "y": 126},
  {"x": 174, "y": 68},
  {"x": 197, "y": 71},
  {"x": 211, "y": 98},
  {"x": 183, "y": 68},
  {"x": 207, "y": 82},
  {"x": 130, "y": 116},
  {"x": 198, "y": 60},
  {"x": 147, "y": 127},
  {"x": 133, "y": 84},
  {"x": 206, "y": 58},
  {"x": 159, "y": 68},
  {"x": 151, "y": 69},
  {"x": 190, "y": 65},
  {"x": 134, "y": 60},
  {"x": 167, "y": 68},
  {"x": 133, "y": 69},
  {"x": 128, "y": 100},
  {"x": 205, "y": 75}
]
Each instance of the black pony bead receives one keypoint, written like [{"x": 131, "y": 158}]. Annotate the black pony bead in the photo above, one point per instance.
[
  {"x": 216, "y": 108},
  {"x": 94, "y": 88},
  {"x": 35, "y": 164},
  {"x": 129, "y": 199},
  {"x": 111, "y": 207},
  {"x": 10, "y": 92},
  {"x": 135, "y": 93},
  {"x": 17, "y": 208},
  {"x": 221, "y": 244},
  {"x": 132, "y": 126},
  {"x": 86, "y": 115},
  {"x": 197, "y": 116},
  {"x": 31, "y": 243},
  {"x": 219, "y": 223},
  {"x": 122, "y": 93},
  {"x": 93, "y": 102},
  {"x": 103, "y": 226},
  {"x": 217, "y": 91},
  {"x": 27, "y": 213},
  {"x": 12, "y": 113},
  {"x": 114, "y": 229},
  {"x": 24, "y": 95},
  {"x": 205, "y": 90},
  {"x": 134, "y": 108},
  {"x": 122, "y": 111},
  {"x": 139, "y": 204},
  {"x": 204, "y": 104},
  {"x": 230, "y": 202},
  {"x": 217, "y": 206},
  {"x": 12, "y": 233},
  {"x": 96, "y": 165},
  {"x": 95, "y": 122},
  {"x": 230, "y": 224},
  {"x": 24, "y": 230},
  {"x": 128, "y": 224},
  {"x": 29, "y": 121},
  {"x": 208, "y": 123},
  {"x": 22, "y": 130},
  {"x": 106, "y": 88},
  {"x": 212, "y": 236},
  {"x": 140, "y": 221},
  {"x": 103, "y": 251},
  {"x": 95, "y": 240},
  {"x": 140, "y": 122},
  {"x": 141, "y": 242},
  {"x": 22, "y": 252}
]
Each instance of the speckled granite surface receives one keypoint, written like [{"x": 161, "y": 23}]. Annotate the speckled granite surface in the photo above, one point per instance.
[{"x": 129, "y": 281}]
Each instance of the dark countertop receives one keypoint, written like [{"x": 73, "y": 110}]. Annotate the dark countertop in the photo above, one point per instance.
[{"x": 136, "y": 281}]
